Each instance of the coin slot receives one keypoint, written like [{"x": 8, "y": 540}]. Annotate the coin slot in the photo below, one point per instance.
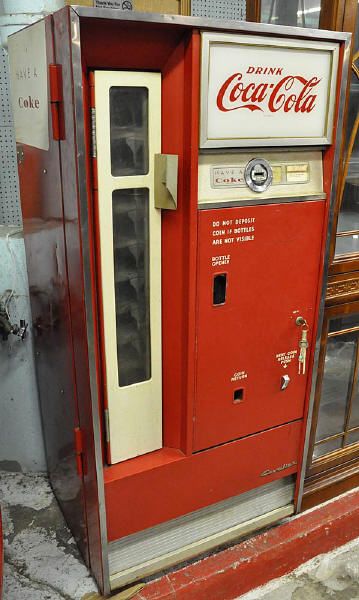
[
  {"x": 238, "y": 395},
  {"x": 219, "y": 288},
  {"x": 258, "y": 174}
]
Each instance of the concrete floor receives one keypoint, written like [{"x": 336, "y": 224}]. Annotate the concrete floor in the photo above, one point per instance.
[
  {"x": 332, "y": 576},
  {"x": 41, "y": 558},
  {"x": 42, "y": 561}
]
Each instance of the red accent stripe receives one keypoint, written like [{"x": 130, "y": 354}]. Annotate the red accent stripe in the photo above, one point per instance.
[
  {"x": 56, "y": 102},
  {"x": 237, "y": 570}
]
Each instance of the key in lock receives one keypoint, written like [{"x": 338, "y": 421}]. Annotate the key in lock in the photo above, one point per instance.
[{"x": 303, "y": 345}]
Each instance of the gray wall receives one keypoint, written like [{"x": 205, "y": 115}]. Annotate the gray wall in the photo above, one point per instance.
[{"x": 21, "y": 442}]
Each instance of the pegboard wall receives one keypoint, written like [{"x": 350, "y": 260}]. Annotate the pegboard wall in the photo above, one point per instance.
[
  {"x": 10, "y": 210},
  {"x": 219, "y": 9}
]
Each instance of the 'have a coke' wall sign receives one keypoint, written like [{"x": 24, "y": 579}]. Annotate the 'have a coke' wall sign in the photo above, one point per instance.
[
  {"x": 271, "y": 92},
  {"x": 28, "y": 84}
]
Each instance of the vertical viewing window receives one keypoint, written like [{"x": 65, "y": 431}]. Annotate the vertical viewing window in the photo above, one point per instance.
[
  {"x": 130, "y": 209},
  {"x": 128, "y": 136},
  {"x": 129, "y": 130},
  {"x": 338, "y": 417},
  {"x": 299, "y": 13}
]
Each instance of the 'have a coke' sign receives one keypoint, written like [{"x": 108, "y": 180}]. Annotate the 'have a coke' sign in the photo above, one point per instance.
[
  {"x": 28, "y": 84},
  {"x": 268, "y": 92}
]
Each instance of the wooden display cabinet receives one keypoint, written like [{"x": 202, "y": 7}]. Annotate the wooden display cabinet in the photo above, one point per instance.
[
  {"x": 333, "y": 454},
  {"x": 333, "y": 448}
]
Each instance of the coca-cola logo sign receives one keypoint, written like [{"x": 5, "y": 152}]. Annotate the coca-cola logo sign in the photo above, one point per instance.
[
  {"x": 292, "y": 92},
  {"x": 276, "y": 92}
]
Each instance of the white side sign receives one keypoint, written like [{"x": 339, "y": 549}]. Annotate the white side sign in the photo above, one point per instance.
[
  {"x": 28, "y": 81},
  {"x": 119, "y": 4},
  {"x": 266, "y": 91}
]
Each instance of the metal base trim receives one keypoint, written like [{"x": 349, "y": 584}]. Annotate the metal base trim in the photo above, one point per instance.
[
  {"x": 146, "y": 552},
  {"x": 150, "y": 567}
]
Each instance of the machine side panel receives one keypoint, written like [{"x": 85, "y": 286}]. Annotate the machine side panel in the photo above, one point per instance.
[
  {"x": 78, "y": 219},
  {"x": 152, "y": 496},
  {"x": 42, "y": 208}
]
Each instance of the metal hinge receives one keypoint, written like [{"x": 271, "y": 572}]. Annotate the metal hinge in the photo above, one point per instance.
[
  {"x": 20, "y": 154},
  {"x": 56, "y": 102},
  {"x": 93, "y": 133},
  {"x": 79, "y": 448},
  {"x": 107, "y": 426}
]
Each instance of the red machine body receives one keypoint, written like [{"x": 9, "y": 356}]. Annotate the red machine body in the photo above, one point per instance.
[
  {"x": 236, "y": 337},
  {"x": 237, "y": 271}
]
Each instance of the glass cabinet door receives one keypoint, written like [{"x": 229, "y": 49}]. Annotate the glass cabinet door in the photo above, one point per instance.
[
  {"x": 299, "y": 13},
  {"x": 347, "y": 242},
  {"x": 337, "y": 389}
]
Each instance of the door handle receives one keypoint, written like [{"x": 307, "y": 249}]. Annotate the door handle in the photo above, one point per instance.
[
  {"x": 166, "y": 176},
  {"x": 284, "y": 382}
]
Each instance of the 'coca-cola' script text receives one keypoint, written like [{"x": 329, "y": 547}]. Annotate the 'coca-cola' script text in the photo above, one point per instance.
[{"x": 291, "y": 93}]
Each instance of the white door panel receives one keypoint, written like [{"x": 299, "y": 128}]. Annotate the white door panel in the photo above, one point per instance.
[{"x": 128, "y": 135}]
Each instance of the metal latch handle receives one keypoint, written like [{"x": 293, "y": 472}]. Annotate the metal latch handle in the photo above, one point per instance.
[{"x": 166, "y": 177}]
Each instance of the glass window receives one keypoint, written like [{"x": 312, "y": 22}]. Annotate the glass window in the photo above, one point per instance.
[
  {"x": 348, "y": 221},
  {"x": 347, "y": 244},
  {"x": 326, "y": 447},
  {"x": 299, "y": 13},
  {"x": 336, "y": 385},
  {"x": 352, "y": 438},
  {"x": 130, "y": 210},
  {"x": 338, "y": 415},
  {"x": 354, "y": 412},
  {"x": 129, "y": 130},
  {"x": 349, "y": 213},
  {"x": 341, "y": 322}
]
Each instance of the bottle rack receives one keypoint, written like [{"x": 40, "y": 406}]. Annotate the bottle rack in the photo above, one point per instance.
[{"x": 130, "y": 236}]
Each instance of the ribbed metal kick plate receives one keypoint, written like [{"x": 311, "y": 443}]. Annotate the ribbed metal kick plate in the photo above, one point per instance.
[{"x": 146, "y": 552}]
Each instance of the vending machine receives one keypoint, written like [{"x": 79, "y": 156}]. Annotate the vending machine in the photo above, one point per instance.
[{"x": 177, "y": 182}]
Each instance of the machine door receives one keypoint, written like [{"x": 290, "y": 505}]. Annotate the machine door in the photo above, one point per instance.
[
  {"x": 128, "y": 135},
  {"x": 258, "y": 272}
]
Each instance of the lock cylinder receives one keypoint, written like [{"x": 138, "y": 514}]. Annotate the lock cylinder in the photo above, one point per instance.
[{"x": 258, "y": 174}]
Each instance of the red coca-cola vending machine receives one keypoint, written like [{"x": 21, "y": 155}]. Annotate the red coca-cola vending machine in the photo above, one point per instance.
[{"x": 177, "y": 181}]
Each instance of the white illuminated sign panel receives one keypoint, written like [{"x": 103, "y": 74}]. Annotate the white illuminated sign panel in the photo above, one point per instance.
[{"x": 258, "y": 91}]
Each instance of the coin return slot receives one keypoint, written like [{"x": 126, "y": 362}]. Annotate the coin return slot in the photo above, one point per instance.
[
  {"x": 238, "y": 396},
  {"x": 219, "y": 288}
]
